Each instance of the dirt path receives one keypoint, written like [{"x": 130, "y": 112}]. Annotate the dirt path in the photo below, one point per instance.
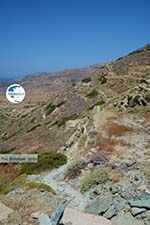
[
  {"x": 55, "y": 179},
  {"x": 100, "y": 117},
  {"x": 4, "y": 211}
]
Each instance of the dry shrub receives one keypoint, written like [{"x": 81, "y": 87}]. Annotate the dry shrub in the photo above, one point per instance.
[
  {"x": 118, "y": 130},
  {"x": 74, "y": 169},
  {"x": 107, "y": 145},
  {"x": 94, "y": 178},
  {"x": 7, "y": 174},
  {"x": 116, "y": 175},
  {"x": 147, "y": 115},
  {"x": 9, "y": 169}
]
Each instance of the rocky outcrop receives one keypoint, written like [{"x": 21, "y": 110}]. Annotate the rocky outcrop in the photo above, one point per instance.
[
  {"x": 75, "y": 217},
  {"x": 70, "y": 216},
  {"x": 137, "y": 96},
  {"x": 55, "y": 217}
]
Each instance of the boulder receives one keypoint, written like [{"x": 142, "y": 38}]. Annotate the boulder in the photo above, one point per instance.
[
  {"x": 44, "y": 220},
  {"x": 110, "y": 212},
  {"x": 142, "y": 188},
  {"x": 57, "y": 214},
  {"x": 55, "y": 217},
  {"x": 75, "y": 217},
  {"x": 126, "y": 219},
  {"x": 136, "y": 211},
  {"x": 142, "y": 203},
  {"x": 35, "y": 215},
  {"x": 99, "y": 205},
  {"x": 119, "y": 203}
]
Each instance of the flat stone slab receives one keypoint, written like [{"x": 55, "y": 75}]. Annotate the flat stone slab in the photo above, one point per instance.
[
  {"x": 4, "y": 212},
  {"x": 126, "y": 219},
  {"x": 143, "y": 203},
  {"x": 76, "y": 217},
  {"x": 135, "y": 211}
]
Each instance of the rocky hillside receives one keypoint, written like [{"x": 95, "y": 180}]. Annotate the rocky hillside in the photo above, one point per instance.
[{"x": 95, "y": 124}]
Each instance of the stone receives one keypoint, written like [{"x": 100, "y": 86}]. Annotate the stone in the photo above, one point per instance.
[
  {"x": 93, "y": 150},
  {"x": 142, "y": 203},
  {"x": 119, "y": 203},
  {"x": 44, "y": 220},
  {"x": 110, "y": 212},
  {"x": 76, "y": 217},
  {"x": 126, "y": 219},
  {"x": 90, "y": 165},
  {"x": 55, "y": 217},
  {"x": 146, "y": 216},
  {"x": 57, "y": 214},
  {"x": 115, "y": 189},
  {"x": 99, "y": 206},
  {"x": 136, "y": 211},
  {"x": 35, "y": 215},
  {"x": 128, "y": 193},
  {"x": 142, "y": 188}
]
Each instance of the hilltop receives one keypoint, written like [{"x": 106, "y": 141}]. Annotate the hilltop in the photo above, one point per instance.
[{"x": 99, "y": 119}]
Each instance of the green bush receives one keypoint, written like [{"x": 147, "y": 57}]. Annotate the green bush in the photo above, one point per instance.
[
  {"x": 92, "y": 94},
  {"x": 95, "y": 177},
  {"x": 3, "y": 118},
  {"x": 46, "y": 161},
  {"x": 136, "y": 99},
  {"x": 96, "y": 104},
  {"x": 86, "y": 80},
  {"x": 62, "y": 122},
  {"x": 6, "y": 150},
  {"x": 32, "y": 185},
  {"x": 61, "y": 103},
  {"x": 32, "y": 120},
  {"x": 4, "y": 187},
  {"x": 75, "y": 168},
  {"x": 33, "y": 128},
  {"x": 51, "y": 107},
  {"x": 21, "y": 182},
  {"x": 4, "y": 138},
  {"x": 129, "y": 99},
  {"x": 140, "y": 50},
  {"x": 103, "y": 79}
]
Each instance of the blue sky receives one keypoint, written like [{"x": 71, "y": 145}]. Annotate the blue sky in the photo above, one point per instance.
[{"x": 51, "y": 35}]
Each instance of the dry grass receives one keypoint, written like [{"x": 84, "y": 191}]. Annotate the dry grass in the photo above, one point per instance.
[
  {"x": 7, "y": 174},
  {"x": 9, "y": 169},
  {"x": 94, "y": 178},
  {"x": 118, "y": 130},
  {"x": 147, "y": 115},
  {"x": 116, "y": 175},
  {"x": 107, "y": 145}
]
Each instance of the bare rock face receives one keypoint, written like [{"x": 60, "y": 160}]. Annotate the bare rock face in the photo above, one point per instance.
[
  {"x": 55, "y": 217},
  {"x": 4, "y": 212},
  {"x": 70, "y": 216},
  {"x": 126, "y": 219},
  {"x": 75, "y": 217}
]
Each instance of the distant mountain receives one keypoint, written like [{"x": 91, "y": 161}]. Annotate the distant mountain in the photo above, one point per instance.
[{"x": 3, "y": 83}]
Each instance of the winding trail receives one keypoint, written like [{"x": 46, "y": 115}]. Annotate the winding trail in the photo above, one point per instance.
[{"x": 55, "y": 179}]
